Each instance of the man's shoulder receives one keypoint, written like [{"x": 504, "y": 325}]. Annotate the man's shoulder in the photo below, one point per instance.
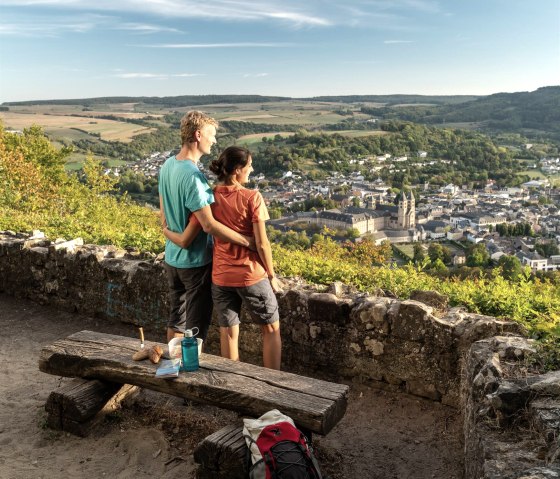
[
  {"x": 169, "y": 160},
  {"x": 182, "y": 170}
]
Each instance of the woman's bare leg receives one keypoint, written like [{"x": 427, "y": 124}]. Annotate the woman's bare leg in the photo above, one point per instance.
[{"x": 272, "y": 345}]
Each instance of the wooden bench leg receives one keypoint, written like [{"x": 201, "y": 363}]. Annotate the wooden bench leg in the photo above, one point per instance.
[
  {"x": 73, "y": 406},
  {"x": 222, "y": 455}
]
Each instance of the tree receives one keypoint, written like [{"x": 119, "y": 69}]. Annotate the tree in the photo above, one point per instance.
[
  {"x": 437, "y": 251},
  {"x": 419, "y": 255},
  {"x": 547, "y": 249},
  {"x": 511, "y": 267},
  {"x": 477, "y": 255},
  {"x": 438, "y": 266},
  {"x": 275, "y": 213},
  {"x": 368, "y": 253},
  {"x": 95, "y": 179}
]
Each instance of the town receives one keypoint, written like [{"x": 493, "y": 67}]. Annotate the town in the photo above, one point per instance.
[{"x": 453, "y": 214}]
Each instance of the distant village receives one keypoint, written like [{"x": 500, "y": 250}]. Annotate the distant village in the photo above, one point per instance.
[{"x": 450, "y": 213}]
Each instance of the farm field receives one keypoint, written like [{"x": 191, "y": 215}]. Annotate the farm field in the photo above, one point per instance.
[
  {"x": 57, "y": 125},
  {"x": 247, "y": 140},
  {"x": 284, "y": 113},
  {"x": 253, "y": 138},
  {"x": 76, "y": 160},
  {"x": 357, "y": 133}
]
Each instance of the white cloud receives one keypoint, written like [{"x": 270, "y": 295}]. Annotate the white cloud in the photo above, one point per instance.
[
  {"x": 217, "y": 45},
  {"x": 79, "y": 23},
  {"x": 299, "y": 19},
  {"x": 393, "y": 42},
  {"x": 428, "y": 6},
  {"x": 227, "y": 10},
  {"x": 377, "y": 14},
  {"x": 44, "y": 29},
  {"x": 188, "y": 75},
  {"x": 255, "y": 75},
  {"x": 156, "y": 76},
  {"x": 141, "y": 75},
  {"x": 143, "y": 28}
]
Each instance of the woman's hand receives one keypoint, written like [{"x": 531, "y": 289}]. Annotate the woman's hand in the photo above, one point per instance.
[{"x": 276, "y": 284}]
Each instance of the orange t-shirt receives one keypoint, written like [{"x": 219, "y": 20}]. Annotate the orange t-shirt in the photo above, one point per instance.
[{"x": 238, "y": 208}]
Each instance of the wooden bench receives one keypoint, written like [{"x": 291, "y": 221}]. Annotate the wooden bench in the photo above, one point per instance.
[{"x": 316, "y": 406}]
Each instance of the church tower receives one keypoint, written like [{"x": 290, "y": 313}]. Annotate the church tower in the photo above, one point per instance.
[
  {"x": 407, "y": 212},
  {"x": 411, "y": 220},
  {"x": 402, "y": 212}
]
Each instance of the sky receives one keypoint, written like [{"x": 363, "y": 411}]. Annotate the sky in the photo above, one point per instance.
[{"x": 59, "y": 49}]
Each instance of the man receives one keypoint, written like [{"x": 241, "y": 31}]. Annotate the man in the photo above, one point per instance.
[{"x": 184, "y": 190}]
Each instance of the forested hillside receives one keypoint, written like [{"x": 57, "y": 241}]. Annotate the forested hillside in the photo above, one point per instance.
[
  {"x": 536, "y": 112},
  {"x": 469, "y": 156},
  {"x": 168, "y": 101}
]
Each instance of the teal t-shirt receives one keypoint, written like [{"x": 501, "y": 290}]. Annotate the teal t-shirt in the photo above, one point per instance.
[{"x": 184, "y": 189}]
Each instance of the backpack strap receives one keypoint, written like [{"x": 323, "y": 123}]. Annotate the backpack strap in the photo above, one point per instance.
[{"x": 304, "y": 443}]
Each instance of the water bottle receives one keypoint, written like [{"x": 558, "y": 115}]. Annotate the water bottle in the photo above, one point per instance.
[{"x": 189, "y": 351}]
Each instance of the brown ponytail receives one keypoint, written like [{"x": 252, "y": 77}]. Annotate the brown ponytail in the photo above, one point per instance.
[{"x": 230, "y": 159}]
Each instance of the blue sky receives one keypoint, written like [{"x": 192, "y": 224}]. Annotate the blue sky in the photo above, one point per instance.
[{"x": 52, "y": 49}]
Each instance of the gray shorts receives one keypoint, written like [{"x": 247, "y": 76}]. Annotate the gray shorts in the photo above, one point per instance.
[{"x": 259, "y": 299}]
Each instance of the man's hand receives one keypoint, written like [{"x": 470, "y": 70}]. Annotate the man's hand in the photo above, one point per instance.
[{"x": 252, "y": 245}]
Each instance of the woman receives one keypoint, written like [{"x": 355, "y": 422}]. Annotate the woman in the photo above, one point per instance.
[{"x": 239, "y": 274}]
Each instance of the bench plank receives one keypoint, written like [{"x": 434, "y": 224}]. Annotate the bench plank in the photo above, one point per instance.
[{"x": 248, "y": 389}]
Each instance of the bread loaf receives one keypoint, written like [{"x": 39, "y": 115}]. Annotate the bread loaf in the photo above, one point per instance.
[
  {"x": 154, "y": 353},
  {"x": 140, "y": 355}
]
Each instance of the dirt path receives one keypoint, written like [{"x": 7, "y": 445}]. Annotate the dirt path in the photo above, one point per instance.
[{"x": 382, "y": 436}]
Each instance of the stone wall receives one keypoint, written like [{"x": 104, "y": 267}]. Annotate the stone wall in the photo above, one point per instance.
[
  {"x": 512, "y": 414},
  {"x": 418, "y": 346},
  {"x": 406, "y": 345}
]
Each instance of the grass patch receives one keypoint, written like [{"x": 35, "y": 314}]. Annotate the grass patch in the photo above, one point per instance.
[
  {"x": 533, "y": 174},
  {"x": 406, "y": 249}
]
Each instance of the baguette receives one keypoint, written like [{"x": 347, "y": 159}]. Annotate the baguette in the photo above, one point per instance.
[
  {"x": 154, "y": 353},
  {"x": 140, "y": 355}
]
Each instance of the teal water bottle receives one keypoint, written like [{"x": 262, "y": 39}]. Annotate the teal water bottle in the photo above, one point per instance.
[{"x": 189, "y": 352}]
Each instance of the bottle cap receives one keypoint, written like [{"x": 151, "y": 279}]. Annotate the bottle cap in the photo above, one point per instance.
[{"x": 188, "y": 333}]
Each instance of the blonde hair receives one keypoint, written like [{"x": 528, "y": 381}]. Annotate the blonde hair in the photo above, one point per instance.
[{"x": 193, "y": 121}]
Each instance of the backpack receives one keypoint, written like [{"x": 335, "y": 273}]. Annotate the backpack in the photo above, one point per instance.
[{"x": 278, "y": 450}]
